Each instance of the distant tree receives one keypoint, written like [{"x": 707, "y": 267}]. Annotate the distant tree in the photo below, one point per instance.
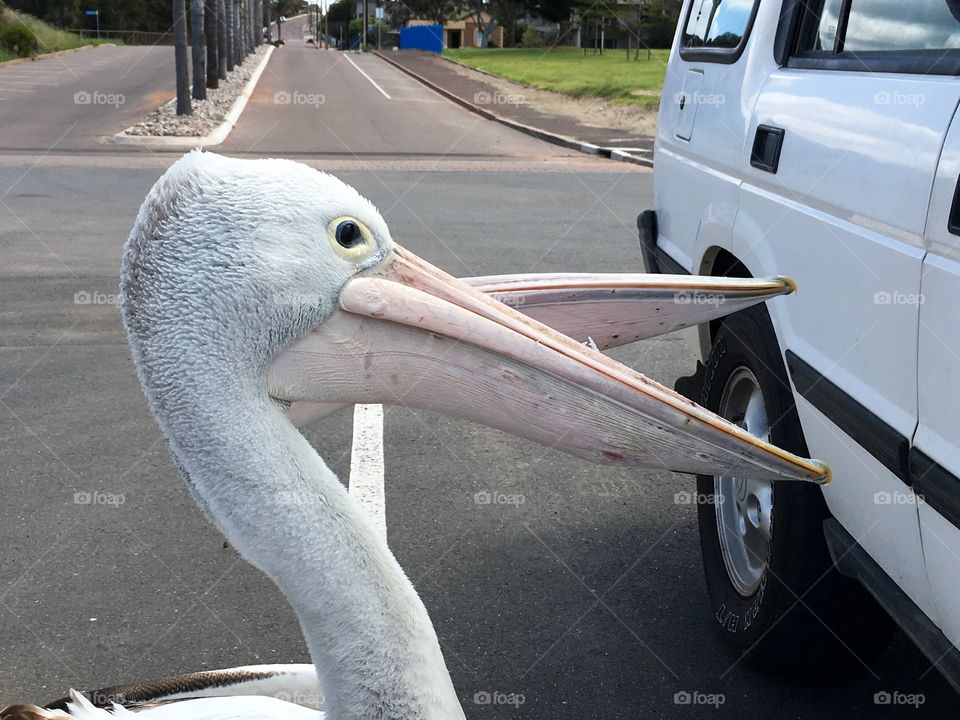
[
  {"x": 65, "y": 13},
  {"x": 554, "y": 10},
  {"x": 397, "y": 13},
  {"x": 340, "y": 11},
  {"x": 437, "y": 10},
  {"x": 482, "y": 13},
  {"x": 288, "y": 7},
  {"x": 339, "y": 15},
  {"x": 508, "y": 14},
  {"x": 144, "y": 15}
]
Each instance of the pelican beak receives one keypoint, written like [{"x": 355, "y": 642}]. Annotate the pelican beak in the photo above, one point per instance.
[
  {"x": 614, "y": 309},
  {"x": 409, "y": 334}
]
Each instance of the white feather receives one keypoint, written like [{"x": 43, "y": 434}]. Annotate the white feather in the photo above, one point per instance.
[{"x": 222, "y": 708}]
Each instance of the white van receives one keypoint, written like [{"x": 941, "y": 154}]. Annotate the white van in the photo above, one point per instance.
[{"x": 819, "y": 139}]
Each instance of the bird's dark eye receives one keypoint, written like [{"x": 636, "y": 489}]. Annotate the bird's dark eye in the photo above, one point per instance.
[{"x": 348, "y": 234}]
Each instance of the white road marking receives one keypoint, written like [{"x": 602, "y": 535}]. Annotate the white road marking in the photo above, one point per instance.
[
  {"x": 372, "y": 81},
  {"x": 366, "y": 463}
]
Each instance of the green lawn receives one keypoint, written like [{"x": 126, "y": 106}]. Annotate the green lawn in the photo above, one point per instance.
[
  {"x": 569, "y": 71},
  {"x": 49, "y": 38}
]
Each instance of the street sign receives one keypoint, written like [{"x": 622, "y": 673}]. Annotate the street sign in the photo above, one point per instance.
[{"x": 97, "y": 13}]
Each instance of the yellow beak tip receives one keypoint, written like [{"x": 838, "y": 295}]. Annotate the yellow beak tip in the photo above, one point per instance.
[{"x": 789, "y": 282}]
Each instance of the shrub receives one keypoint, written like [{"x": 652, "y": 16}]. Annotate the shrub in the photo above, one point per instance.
[
  {"x": 18, "y": 38},
  {"x": 532, "y": 38}
]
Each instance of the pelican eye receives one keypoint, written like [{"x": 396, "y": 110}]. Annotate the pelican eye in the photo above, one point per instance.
[
  {"x": 350, "y": 238},
  {"x": 348, "y": 234}
]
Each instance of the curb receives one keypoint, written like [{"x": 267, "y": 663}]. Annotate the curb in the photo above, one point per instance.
[
  {"x": 215, "y": 137},
  {"x": 561, "y": 140}
]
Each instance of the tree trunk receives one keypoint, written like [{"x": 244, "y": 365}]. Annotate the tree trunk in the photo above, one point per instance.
[
  {"x": 248, "y": 24},
  {"x": 198, "y": 51},
  {"x": 228, "y": 24},
  {"x": 253, "y": 24},
  {"x": 236, "y": 34},
  {"x": 223, "y": 47},
  {"x": 241, "y": 35},
  {"x": 180, "y": 57},
  {"x": 266, "y": 19},
  {"x": 212, "y": 36}
]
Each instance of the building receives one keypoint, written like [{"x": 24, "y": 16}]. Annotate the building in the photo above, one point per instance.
[{"x": 463, "y": 32}]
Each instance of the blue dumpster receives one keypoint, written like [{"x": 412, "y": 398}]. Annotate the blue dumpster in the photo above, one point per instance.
[{"x": 422, "y": 37}]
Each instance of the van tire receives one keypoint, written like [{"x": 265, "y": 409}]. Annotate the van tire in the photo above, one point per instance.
[{"x": 836, "y": 623}]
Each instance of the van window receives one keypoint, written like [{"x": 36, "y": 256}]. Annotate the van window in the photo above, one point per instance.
[
  {"x": 918, "y": 37},
  {"x": 717, "y": 23},
  {"x": 880, "y": 26},
  {"x": 876, "y": 25}
]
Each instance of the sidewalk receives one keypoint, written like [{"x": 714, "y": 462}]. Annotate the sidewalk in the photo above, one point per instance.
[{"x": 478, "y": 94}]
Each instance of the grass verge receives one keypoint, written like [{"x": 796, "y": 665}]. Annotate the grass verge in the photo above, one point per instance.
[
  {"x": 569, "y": 71},
  {"x": 49, "y": 38}
]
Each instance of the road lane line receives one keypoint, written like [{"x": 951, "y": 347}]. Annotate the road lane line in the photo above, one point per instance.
[
  {"x": 366, "y": 463},
  {"x": 372, "y": 81}
]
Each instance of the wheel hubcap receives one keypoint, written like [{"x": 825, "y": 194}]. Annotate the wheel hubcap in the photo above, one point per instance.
[{"x": 744, "y": 507}]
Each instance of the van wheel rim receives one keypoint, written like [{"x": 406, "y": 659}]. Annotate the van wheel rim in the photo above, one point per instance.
[{"x": 744, "y": 508}]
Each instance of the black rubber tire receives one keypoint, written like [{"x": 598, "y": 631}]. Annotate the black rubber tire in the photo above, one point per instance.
[{"x": 836, "y": 624}]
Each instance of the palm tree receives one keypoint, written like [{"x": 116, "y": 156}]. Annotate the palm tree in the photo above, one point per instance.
[
  {"x": 180, "y": 57},
  {"x": 197, "y": 50},
  {"x": 212, "y": 33},
  {"x": 223, "y": 43}
]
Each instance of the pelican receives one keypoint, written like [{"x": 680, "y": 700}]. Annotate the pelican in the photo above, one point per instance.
[{"x": 248, "y": 286}]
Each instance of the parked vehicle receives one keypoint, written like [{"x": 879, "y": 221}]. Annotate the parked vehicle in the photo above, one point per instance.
[{"x": 818, "y": 139}]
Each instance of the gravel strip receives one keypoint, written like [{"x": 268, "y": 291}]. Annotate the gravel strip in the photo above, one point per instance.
[{"x": 207, "y": 114}]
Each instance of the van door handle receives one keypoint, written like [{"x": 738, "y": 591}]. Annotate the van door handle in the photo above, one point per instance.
[{"x": 766, "y": 148}]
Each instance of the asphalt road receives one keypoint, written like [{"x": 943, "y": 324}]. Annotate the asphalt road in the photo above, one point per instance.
[
  {"x": 68, "y": 102},
  {"x": 586, "y": 599}
]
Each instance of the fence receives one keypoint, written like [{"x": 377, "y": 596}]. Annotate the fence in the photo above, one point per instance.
[{"x": 129, "y": 37}]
